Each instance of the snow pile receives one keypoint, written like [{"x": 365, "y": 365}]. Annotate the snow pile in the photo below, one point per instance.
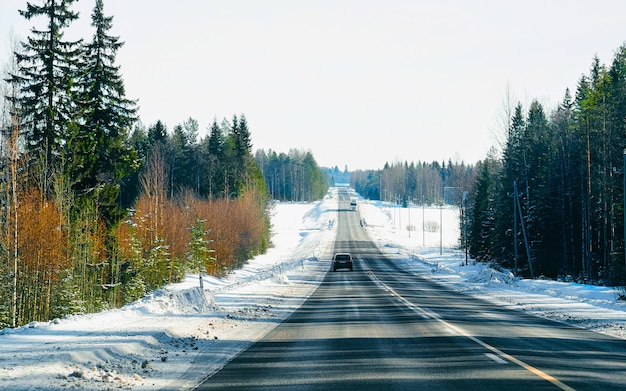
[
  {"x": 176, "y": 302},
  {"x": 489, "y": 276}
]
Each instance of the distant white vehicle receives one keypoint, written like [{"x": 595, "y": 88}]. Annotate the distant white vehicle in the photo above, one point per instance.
[{"x": 353, "y": 203}]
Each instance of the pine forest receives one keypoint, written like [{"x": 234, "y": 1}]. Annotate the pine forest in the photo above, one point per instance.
[{"x": 552, "y": 205}]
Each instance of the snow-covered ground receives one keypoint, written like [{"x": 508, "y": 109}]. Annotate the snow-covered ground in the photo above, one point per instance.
[{"x": 172, "y": 337}]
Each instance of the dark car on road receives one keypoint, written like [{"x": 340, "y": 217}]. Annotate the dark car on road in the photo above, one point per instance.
[{"x": 342, "y": 261}]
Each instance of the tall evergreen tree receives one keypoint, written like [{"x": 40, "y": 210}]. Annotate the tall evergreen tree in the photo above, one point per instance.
[
  {"x": 99, "y": 155},
  {"x": 543, "y": 219},
  {"x": 48, "y": 68},
  {"x": 216, "y": 180},
  {"x": 180, "y": 157},
  {"x": 196, "y": 159},
  {"x": 513, "y": 169},
  {"x": 480, "y": 224},
  {"x": 569, "y": 198},
  {"x": 248, "y": 174},
  {"x": 243, "y": 144},
  {"x": 591, "y": 113},
  {"x": 314, "y": 186},
  {"x": 240, "y": 154}
]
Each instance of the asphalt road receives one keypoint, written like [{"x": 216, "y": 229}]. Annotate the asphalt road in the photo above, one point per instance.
[{"x": 380, "y": 328}]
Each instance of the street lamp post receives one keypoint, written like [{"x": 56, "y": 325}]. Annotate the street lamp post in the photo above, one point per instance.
[
  {"x": 440, "y": 229},
  {"x": 464, "y": 217},
  {"x": 423, "y": 224}
]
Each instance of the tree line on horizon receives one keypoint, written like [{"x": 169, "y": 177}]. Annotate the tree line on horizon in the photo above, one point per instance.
[
  {"x": 98, "y": 209},
  {"x": 415, "y": 183},
  {"x": 293, "y": 176},
  {"x": 553, "y": 203}
]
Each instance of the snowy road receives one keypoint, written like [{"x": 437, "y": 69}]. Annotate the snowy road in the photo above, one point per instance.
[{"x": 380, "y": 327}]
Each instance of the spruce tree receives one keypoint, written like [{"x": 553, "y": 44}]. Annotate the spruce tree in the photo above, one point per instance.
[
  {"x": 542, "y": 218},
  {"x": 216, "y": 155},
  {"x": 180, "y": 157},
  {"x": 99, "y": 156},
  {"x": 48, "y": 70},
  {"x": 482, "y": 211},
  {"x": 512, "y": 171},
  {"x": 242, "y": 159},
  {"x": 569, "y": 196}
]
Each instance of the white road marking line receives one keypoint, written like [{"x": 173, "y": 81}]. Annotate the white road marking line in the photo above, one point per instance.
[
  {"x": 495, "y": 358},
  {"x": 432, "y": 315}
]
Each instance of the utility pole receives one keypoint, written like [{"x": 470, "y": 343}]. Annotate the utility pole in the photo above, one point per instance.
[
  {"x": 515, "y": 224},
  {"x": 464, "y": 219},
  {"x": 440, "y": 229},
  {"x": 399, "y": 213},
  {"x": 424, "y": 223},
  {"x": 521, "y": 217}
]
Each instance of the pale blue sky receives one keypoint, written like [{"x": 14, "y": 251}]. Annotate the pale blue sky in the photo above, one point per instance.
[{"x": 359, "y": 83}]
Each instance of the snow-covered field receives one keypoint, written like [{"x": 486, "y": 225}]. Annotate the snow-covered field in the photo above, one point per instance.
[{"x": 171, "y": 338}]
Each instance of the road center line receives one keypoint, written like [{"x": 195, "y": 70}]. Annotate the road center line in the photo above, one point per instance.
[{"x": 497, "y": 352}]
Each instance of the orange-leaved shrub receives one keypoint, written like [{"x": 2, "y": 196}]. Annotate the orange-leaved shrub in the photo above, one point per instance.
[
  {"x": 43, "y": 259},
  {"x": 236, "y": 229}
]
